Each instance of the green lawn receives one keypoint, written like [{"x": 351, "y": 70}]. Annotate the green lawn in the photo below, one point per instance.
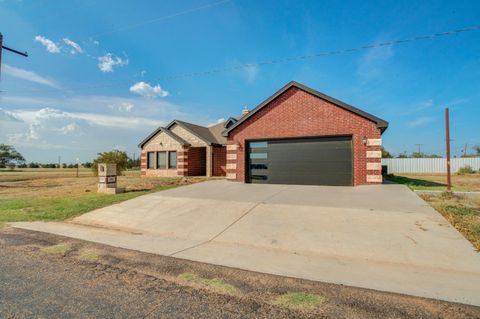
[{"x": 45, "y": 208}]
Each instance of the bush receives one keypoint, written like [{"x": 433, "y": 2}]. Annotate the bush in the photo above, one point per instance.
[
  {"x": 33, "y": 165},
  {"x": 113, "y": 157},
  {"x": 467, "y": 169}
]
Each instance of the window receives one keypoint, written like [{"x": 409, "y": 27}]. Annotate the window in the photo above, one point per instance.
[
  {"x": 172, "y": 159},
  {"x": 151, "y": 160},
  {"x": 259, "y": 177},
  {"x": 258, "y": 155},
  {"x": 258, "y": 166},
  {"x": 258, "y": 144},
  {"x": 161, "y": 160}
]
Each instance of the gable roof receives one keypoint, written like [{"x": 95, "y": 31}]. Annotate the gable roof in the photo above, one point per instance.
[
  {"x": 211, "y": 135},
  {"x": 381, "y": 124},
  {"x": 166, "y": 131}
]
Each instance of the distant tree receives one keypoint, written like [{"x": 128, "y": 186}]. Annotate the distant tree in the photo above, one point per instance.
[
  {"x": 385, "y": 153},
  {"x": 33, "y": 165},
  {"x": 70, "y": 166},
  {"x": 418, "y": 155},
  {"x": 113, "y": 157},
  {"x": 476, "y": 148},
  {"x": 64, "y": 165},
  {"x": 10, "y": 156},
  {"x": 87, "y": 164},
  {"x": 23, "y": 165},
  {"x": 434, "y": 156},
  {"x": 402, "y": 155},
  {"x": 133, "y": 163}
]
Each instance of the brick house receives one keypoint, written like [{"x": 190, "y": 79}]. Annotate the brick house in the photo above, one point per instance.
[
  {"x": 184, "y": 149},
  {"x": 296, "y": 136}
]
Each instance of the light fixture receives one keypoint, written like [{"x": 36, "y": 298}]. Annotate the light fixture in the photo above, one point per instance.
[{"x": 364, "y": 140}]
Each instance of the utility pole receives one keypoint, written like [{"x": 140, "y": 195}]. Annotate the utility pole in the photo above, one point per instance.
[
  {"x": 419, "y": 148},
  {"x": 447, "y": 140},
  {"x": 78, "y": 164},
  {"x": 25, "y": 54},
  {"x": 465, "y": 150},
  {"x": 59, "y": 160}
]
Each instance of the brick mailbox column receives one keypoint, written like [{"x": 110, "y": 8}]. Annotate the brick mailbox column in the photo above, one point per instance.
[{"x": 107, "y": 178}]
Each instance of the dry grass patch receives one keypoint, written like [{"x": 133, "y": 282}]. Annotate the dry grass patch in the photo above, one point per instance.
[
  {"x": 462, "y": 212},
  {"x": 60, "y": 249},
  {"x": 215, "y": 284},
  {"x": 300, "y": 300},
  {"x": 3, "y": 225},
  {"x": 461, "y": 183},
  {"x": 89, "y": 255}
]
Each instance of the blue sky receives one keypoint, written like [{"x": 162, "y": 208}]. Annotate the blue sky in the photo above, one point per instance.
[{"x": 101, "y": 75}]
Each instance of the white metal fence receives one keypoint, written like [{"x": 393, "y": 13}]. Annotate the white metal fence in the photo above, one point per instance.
[{"x": 428, "y": 165}]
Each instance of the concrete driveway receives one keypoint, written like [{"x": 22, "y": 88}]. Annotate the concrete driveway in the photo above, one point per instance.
[{"x": 381, "y": 237}]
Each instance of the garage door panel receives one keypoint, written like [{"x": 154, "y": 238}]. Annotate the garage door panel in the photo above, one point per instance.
[{"x": 313, "y": 161}]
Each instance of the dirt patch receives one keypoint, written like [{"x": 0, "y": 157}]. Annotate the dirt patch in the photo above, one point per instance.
[{"x": 134, "y": 284}]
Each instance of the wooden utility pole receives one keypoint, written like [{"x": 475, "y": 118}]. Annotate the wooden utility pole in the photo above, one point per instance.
[
  {"x": 447, "y": 140},
  {"x": 25, "y": 54}
]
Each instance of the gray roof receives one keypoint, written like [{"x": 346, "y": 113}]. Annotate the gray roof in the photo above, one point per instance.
[
  {"x": 211, "y": 135},
  {"x": 166, "y": 131},
  {"x": 382, "y": 124}
]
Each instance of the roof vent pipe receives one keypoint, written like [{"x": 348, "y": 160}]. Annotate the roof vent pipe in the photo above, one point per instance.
[{"x": 245, "y": 111}]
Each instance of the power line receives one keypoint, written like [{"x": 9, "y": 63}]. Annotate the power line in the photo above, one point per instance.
[
  {"x": 170, "y": 16},
  {"x": 282, "y": 60}
]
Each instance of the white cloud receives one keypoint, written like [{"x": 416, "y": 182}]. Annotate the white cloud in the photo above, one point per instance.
[
  {"x": 108, "y": 61},
  {"x": 374, "y": 61},
  {"x": 70, "y": 129},
  {"x": 51, "y": 46},
  {"x": 122, "y": 106},
  {"x": 7, "y": 116},
  {"x": 220, "y": 120},
  {"x": 75, "y": 47},
  {"x": 28, "y": 75},
  {"x": 251, "y": 73},
  {"x": 420, "y": 121},
  {"x": 146, "y": 90}
]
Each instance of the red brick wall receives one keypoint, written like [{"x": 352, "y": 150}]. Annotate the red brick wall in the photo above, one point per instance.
[
  {"x": 197, "y": 161},
  {"x": 297, "y": 113},
  {"x": 219, "y": 160}
]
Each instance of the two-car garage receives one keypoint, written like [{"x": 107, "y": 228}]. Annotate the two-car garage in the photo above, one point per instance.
[
  {"x": 307, "y": 161},
  {"x": 302, "y": 136}
]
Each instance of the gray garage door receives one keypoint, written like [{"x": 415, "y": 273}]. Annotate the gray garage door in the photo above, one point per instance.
[{"x": 312, "y": 161}]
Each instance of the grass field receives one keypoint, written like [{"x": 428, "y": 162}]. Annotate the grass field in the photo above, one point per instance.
[
  {"x": 57, "y": 194},
  {"x": 466, "y": 183},
  {"x": 461, "y": 212}
]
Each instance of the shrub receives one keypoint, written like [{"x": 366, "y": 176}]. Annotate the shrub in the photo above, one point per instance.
[
  {"x": 467, "y": 169},
  {"x": 113, "y": 157}
]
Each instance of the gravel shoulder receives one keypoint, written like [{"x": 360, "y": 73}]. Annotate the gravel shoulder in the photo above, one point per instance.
[{"x": 49, "y": 276}]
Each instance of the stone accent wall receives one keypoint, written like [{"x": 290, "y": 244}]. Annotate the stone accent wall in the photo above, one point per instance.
[
  {"x": 160, "y": 142},
  {"x": 374, "y": 161},
  {"x": 297, "y": 113},
  {"x": 187, "y": 136},
  {"x": 182, "y": 162}
]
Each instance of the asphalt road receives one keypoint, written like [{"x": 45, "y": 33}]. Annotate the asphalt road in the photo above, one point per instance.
[{"x": 127, "y": 284}]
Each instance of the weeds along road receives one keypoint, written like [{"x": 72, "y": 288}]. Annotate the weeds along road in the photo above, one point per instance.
[{"x": 50, "y": 276}]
